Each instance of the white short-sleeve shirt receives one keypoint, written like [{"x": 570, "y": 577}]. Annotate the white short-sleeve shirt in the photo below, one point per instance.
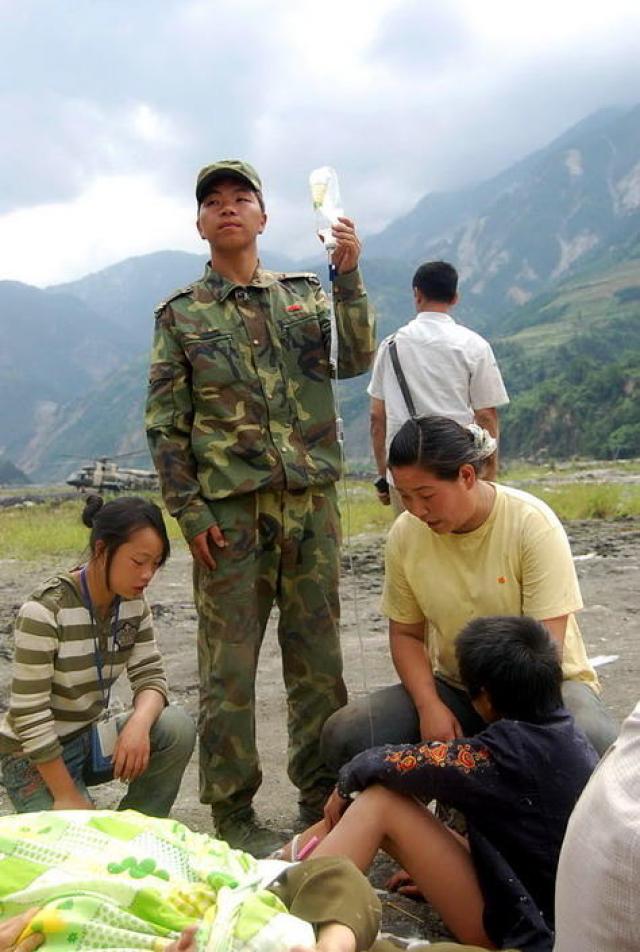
[{"x": 450, "y": 370}]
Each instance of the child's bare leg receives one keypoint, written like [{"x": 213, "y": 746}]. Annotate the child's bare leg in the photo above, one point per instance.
[{"x": 439, "y": 864}]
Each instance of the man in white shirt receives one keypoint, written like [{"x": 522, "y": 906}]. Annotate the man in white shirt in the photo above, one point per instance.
[{"x": 450, "y": 371}]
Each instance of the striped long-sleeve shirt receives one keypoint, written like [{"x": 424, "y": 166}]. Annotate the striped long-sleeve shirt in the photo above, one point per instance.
[{"x": 55, "y": 691}]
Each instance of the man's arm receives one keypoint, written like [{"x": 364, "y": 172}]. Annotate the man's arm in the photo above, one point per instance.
[
  {"x": 168, "y": 419},
  {"x": 487, "y": 418},
  {"x": 378, "y": 430},
  {"x": 355, "y": 319},
  {"x": 411, "y": 661}
]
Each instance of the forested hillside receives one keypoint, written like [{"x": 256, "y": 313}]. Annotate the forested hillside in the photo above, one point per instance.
[{"x": 572, "y": 365}]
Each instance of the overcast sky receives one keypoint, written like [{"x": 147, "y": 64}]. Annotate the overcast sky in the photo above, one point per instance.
[{"x": 109, "y": 107}]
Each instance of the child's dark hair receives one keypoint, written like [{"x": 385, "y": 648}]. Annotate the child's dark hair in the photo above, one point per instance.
[
  {"x": 440, "y": 445},
  {"x": 436, "y": 281},
  {"x": 114, "y": 522},
  {"x": 515, "y": 661}
]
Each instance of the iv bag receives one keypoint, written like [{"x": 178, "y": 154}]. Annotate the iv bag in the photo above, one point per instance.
[{"x": 325, "y": 194}]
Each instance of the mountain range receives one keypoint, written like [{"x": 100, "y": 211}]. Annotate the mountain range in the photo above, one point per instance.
[{"x": 548, "y": 253}]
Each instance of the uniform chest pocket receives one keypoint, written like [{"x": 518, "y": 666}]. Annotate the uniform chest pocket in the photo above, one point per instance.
[
  {"x": 308, "y": 345},
  {"x": 215, "y": 359}
]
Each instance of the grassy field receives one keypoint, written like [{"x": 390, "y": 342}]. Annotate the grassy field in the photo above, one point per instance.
[
  {"x": 50, "y": 529},
  {"x": 54, "y": 529}
]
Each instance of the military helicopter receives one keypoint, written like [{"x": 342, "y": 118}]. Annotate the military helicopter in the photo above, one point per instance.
[{"x": 105, "y": 475}]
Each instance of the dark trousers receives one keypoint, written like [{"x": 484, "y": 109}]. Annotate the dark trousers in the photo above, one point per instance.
[{"x": 389, "y": 716}]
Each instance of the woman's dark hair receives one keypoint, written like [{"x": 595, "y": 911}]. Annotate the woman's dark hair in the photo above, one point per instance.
[
  {"x": 515, "y": 661},
  {"x": 440, "y": 445},
  {"x": 114, "y": 522}
]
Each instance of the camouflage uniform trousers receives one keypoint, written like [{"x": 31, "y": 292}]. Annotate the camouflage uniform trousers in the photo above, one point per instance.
[{"x": 283, "y": 549}]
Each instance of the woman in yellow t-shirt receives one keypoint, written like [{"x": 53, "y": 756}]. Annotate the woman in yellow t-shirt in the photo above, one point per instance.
[{"x": 465, "y": 548}]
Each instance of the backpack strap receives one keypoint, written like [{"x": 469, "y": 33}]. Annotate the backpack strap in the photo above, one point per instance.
[{"x": 402, "y": 380}]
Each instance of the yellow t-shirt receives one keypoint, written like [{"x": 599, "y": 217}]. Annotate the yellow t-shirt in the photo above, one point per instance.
[{"x": 518, "y": 562}]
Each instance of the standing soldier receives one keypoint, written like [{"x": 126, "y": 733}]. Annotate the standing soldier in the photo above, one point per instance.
[{"x": 242, "y": 427}]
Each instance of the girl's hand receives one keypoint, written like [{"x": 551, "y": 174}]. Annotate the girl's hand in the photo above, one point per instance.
[
  {"x": 132, "y": 751},
  {"x": 74, "y": 800}
]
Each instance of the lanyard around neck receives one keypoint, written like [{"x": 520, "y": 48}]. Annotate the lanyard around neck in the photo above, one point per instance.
[{"x": 86, "y": 598}]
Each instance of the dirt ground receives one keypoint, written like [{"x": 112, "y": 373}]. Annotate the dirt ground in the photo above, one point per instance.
[{"x": 608, "y": 565}]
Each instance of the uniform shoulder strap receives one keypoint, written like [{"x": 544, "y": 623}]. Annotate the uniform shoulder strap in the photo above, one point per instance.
[
  {"x": 299, "y": 275},
  {"x": 172, "y": 297},
  {"x": 402, "y": 380}
]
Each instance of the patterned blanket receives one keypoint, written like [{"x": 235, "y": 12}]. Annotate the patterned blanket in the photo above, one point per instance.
[{"x": 106, "y": 880}]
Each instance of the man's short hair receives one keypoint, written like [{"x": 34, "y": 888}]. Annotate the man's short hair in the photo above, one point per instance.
[
  {"x": 436, "y": 281},
  {"x": 515, "y": 661}
]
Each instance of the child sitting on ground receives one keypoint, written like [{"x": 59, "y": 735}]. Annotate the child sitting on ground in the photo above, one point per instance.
[{"x": 516, "y": 783}]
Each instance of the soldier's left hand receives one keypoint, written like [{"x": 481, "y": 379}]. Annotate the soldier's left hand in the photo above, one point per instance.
[{"x": 347, "y": 250}]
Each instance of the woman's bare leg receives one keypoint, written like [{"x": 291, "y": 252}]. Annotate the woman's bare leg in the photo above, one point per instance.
[{"x": 440, "y": 865}]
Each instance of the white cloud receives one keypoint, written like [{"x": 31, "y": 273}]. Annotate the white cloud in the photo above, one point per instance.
[
  {"x": 117, "y": 216},
  {"x": 150, "y": 126}
]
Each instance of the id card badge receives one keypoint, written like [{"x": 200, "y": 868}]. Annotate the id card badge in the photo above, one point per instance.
[
  {"x": 104, "y": 735},
  {"x": 108, "y": 734}
]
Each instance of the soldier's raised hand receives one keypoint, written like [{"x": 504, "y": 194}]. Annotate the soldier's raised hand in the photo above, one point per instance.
[{"x": 347, "y": 251}]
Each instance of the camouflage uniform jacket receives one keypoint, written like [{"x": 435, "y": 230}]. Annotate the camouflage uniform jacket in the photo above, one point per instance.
[{"x": 240, "y": 394}]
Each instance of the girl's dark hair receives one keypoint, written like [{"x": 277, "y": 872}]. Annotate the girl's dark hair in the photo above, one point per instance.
[
  {"x": 114, "y": 522},
  {"x": 514, "y": 659},
  {"x": 438, "y": 444}
]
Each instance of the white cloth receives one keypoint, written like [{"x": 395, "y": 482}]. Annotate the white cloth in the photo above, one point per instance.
[
  {"x": 450, "y": 370},
  {"x": 598, "y": 882}
]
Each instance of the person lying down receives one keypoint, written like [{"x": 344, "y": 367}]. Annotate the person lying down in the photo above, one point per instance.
[{"x": 107, "y": 880}]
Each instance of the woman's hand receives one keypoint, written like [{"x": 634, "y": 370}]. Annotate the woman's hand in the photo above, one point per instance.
[
  {"x": 437, "y": 722},
  {"x": 11, "y": 930},
  {"x": 133, "y": 749},
  {"x": 334, "y": 808}
]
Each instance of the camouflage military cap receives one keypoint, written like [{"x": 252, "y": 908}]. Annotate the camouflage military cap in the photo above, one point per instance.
[{"x": 233, "y": 168}]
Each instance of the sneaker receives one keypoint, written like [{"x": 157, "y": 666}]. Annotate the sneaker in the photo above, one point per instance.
[{"x": 243, "y": 832}]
